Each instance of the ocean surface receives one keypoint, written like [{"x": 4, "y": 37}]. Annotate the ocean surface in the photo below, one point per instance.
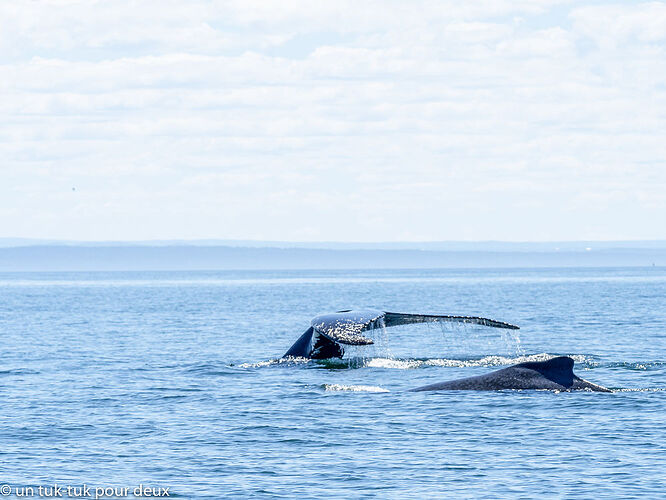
[{"x": 173, "y": 380}]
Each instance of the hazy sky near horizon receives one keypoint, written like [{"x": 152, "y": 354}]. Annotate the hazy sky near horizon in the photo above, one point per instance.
[{"x": 336, "y": 121}]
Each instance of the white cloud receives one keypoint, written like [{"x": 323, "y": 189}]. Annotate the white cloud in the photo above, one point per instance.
[
  {"x": 614, "y": 25},
  {"x": 370, "y": 121}
]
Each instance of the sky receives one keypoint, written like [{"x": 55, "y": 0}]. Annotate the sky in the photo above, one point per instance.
[{"x": 521, "y": 120}]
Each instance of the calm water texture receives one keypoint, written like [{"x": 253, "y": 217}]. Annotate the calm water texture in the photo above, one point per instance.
[{"x": 170, "y": 380}]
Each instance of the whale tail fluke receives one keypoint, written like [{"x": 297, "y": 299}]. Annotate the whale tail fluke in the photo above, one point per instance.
[
  {"x": 395, "y": 319},
  {"x": 329, "y": 332},
  {"x": 302, "y": 347}
]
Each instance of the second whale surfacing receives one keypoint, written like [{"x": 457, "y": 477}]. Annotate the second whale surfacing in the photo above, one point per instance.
[
  {"x": 555, "y": 374},
  {"x": 329, "y": 333}
]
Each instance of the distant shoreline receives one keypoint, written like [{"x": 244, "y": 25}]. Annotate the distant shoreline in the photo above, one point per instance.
[
  {"x": 453, "y": 245},
  {"x": 203, "y": 258}
]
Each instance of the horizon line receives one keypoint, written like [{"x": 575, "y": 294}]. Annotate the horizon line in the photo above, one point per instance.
[
  {"x": 433, "y": 245},
  {"x": 373, "y": 242}
]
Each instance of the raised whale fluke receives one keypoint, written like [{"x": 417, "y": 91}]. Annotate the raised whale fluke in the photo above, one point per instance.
[
  {"x": 554, "y": 374},
  {"x": 328, "y": 331},
  {"x": 395, "y": 319}
]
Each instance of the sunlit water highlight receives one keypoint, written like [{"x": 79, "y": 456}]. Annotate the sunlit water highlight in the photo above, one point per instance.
[{"x": 176, "y": 379}]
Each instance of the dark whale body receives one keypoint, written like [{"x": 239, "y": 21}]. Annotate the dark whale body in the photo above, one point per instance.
[
  {"x": 554, "y": 374},
  {"x": 329, "y": 332}
]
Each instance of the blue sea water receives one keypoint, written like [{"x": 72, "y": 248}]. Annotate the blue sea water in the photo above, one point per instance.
[{"x": 173, "y": 380}]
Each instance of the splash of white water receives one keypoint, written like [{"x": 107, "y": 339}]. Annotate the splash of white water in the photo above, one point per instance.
[{"x": 353, "y": 388}]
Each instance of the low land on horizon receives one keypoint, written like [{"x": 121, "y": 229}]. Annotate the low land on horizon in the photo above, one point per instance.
[
  {"x": 165, "y": 256},
  {"x": 452, "y": 245}
]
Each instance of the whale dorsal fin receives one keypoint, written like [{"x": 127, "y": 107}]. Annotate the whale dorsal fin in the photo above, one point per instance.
[
  {"x": 558, "y": 363},
  {"x": 558, "y": 369}
]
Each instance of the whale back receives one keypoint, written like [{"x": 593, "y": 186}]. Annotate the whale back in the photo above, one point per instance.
[{"x": 553, "y": 374}]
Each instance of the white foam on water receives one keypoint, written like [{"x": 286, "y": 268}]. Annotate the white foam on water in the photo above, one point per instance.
[
  {"x": 280, "y": 361},
  {"x": 409, "y": 364},
  {"x": 353, "y": 388},
  {"x": 649, "y": 389},
  {"x": 399, "y": 364}
]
